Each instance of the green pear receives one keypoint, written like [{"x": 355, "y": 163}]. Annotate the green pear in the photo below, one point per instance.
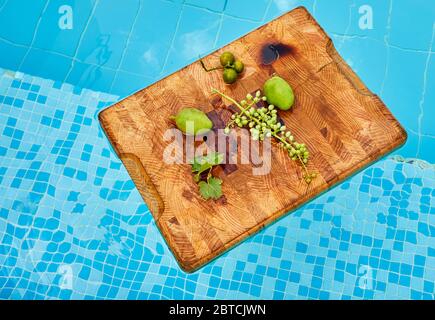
[{"x": 279, "y": 93}]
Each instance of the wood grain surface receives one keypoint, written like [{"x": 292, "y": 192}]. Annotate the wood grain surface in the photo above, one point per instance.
[{"x": 343, "y": 124}]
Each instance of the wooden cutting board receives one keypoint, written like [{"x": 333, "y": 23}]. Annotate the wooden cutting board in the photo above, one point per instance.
[{"x": 344, "y": 125}]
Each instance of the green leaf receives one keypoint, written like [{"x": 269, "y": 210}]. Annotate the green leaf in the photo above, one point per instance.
[
  {"x": 214, "y": 158},
  {"x": 211, "y": 189},
  {"x": 203, "y": 163}
]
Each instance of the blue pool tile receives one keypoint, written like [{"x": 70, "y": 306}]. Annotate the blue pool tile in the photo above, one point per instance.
[
  {"x": 50, "y": 36},
  {"x": 233, "y": 28},
  {"x": 353, "y": 22},
  {"x": 35, "y": 88},
  {"x": 11, "y": 54},
  {"x": 147, "y": 49},
  {"x": 46, "y": 64},
  {"x": 125, "y": 83},
  {"x": 106, "y": 34},
  {"x": 368, "y": 59},
  {"x": 412, "y": 35},
  {"x": 427, "y": 145},
  {"x": 340, "y": 7},
  {"x": 18, "y": 25},
  {"x": 406, "y": 106},
  {"x": 427, "y": 100},
  {"x": 41, "y": 99},
  {"x": 90, "y": 75},
  {"x": 244, "y": 9},
  {"x": 279, "y": 7},
  {"x": 215, "y": 5},
  {"x": 192, "y": 39},
  {"x": 18, "y": 103}
]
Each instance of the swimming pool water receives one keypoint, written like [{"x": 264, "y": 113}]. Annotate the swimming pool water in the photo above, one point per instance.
[{"x": 72, "y": 224}]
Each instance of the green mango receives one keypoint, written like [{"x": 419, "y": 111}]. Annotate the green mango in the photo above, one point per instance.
[
  {"x": 192, "y": 121},
  {"x": 279, "y": 93}
]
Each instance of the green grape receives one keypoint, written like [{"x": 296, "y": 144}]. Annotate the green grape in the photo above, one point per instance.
[
  {"x": 226, "y": 59},
  {"x": 239, "y": 66},
  {"x": 229, "y": 75}
]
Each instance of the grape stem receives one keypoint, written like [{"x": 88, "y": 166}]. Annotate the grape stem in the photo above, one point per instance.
[
  {"x": 211, "y": 69},
  {"x": 228, "y": 98}
]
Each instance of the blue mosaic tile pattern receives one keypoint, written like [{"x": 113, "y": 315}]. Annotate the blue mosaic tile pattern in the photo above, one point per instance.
[{"x": 72, "y": 225}]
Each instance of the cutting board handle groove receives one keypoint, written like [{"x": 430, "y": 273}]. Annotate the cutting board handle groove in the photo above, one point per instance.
[{"x": 144, "y": 184}]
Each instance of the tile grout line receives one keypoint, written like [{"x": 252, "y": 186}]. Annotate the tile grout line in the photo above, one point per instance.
[
  {"x": 127, "y": 43},
  {"x": 81, "y": 39},
  {"x": 74, "y": 59},
  {"x": 347, "y": 37},
  {"x": 222, "y": 14},
  {"x": 346, "y": 32},
  {"x": 177, "y": 26},
  {"x": 34, "y": 36},
  {"x": 421, "y": 134},
  {"x": 266, "y": 11},
  {"x": 190, "y": 5},
  {"x": 386, "y": 43},
  {"x": 423, "y": 95}
]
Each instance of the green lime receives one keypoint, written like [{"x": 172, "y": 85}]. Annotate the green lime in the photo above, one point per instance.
[
  {"x": 227, "y": 59},
  {"x": 239, "y": 66},
  {"x": 230, "y": 75}
]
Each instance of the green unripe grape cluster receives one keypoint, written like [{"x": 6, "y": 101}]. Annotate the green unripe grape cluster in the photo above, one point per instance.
[
  {"x": 232, "y": 67},
  {"x": 263, "y": 123}
]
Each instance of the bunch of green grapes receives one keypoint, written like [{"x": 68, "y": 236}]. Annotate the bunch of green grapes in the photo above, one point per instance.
[{"x": 263, "y": 123}]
